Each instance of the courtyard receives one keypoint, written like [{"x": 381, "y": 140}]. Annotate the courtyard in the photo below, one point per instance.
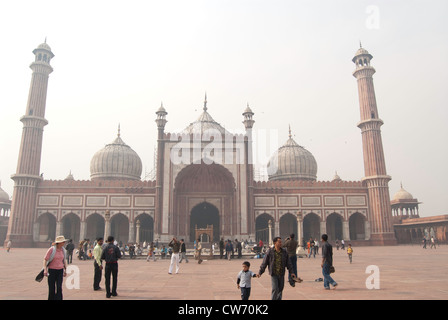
[{"x": 376, "y": 273}]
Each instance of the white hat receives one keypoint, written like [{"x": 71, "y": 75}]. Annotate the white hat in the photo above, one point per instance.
[{"x": 59, "y": 239}]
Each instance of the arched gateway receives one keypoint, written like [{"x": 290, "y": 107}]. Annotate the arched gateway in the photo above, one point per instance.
[{"x": 204, "y": 195}]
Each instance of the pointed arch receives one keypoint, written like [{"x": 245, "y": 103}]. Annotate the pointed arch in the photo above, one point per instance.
[{"x": 71, "y": 225}]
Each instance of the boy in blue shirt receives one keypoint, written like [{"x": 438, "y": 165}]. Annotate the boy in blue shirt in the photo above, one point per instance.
[{"x": 244, "y": 280}]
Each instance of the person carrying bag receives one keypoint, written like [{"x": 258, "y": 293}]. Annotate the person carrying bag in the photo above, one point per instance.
[{"x": 54, "y": 266}]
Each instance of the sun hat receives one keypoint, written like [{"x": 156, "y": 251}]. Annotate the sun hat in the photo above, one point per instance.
[{"x": 59, "y": 239}]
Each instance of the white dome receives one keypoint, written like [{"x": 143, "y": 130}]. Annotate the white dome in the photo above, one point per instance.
[
  {"x": 292, "y": 162},
  {"x": 116, "y": 161},
  {"x": 4, "y": 197},
  {"x": 403, "y": 195}
]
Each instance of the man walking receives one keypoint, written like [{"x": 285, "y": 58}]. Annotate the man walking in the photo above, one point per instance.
[
  {"x": 221, "y": 248},
  {"x": 199, "y": 251},
  {"x": 183, "y": 251},
  {"x": 229, "y": 249},
  {"x": 174, "y": 255},
  {"x": 97, "y": 264},
  {"x": 291, "y": 248},
  {"x": 239, "y": 248},
  {"x": 327, "y": 262},
  {"x": 276, "y": 259},
  {"x": 111, "y": 254},
  {"x": 70, "y": 247}
]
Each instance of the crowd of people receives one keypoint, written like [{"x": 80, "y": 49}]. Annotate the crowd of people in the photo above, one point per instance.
[{"x": 278, "y": 258}]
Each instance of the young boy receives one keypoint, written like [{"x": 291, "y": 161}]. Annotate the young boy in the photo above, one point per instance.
[
  {"x": 244, "y": 280},
  {"x": 350, "y": 252}
]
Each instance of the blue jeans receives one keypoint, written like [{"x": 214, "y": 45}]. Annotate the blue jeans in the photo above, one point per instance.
[
  {"x": 327, "y": 278},
  {"x": 312, "y": 252}
]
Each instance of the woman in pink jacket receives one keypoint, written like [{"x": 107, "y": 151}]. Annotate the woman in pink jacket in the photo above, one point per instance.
[{"x": 55, "y": 268}]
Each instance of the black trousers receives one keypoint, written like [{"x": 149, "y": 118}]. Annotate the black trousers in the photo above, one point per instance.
[
  {"x": 111, "y": 269},
  {"x": 55, "y": 277},
  {"x": 97, "y": 276}
]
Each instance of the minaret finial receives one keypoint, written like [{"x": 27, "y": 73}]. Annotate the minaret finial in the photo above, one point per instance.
[
  {"x": 290, "y": 132},
  {"x": 360, "y": 44},
  {"x": 205, "y": 102},
  {"x": 118, "y": 130}
]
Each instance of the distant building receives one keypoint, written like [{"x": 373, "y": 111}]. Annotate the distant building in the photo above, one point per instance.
[
  {"x": 5, "y": 208},
  {"x": 204, "y": 177}
]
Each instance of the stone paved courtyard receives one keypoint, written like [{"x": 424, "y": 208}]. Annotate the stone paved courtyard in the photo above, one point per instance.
[{"x": 405, "y": 272}]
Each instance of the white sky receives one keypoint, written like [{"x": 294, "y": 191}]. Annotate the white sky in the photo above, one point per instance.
[{"x": 115, "y": 61}]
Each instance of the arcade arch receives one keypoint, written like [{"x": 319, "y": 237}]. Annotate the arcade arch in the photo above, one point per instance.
[
  {"x": 357, "y": 226},
  {"x": 47, "y": 227},
  {"x": 119, "y": 227},
  {"x": 95, "y": 226},
  {"x": 288, "y": 225},
  {"x": 146, "y": 230},
  {"x": 334, "y": 227},
  {"x": 71, "y": 225},
  {"x": 262, "y": 227},
  {"x": 311, "y": 226}
]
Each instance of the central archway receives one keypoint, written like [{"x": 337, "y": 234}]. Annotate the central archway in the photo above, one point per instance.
[
  {"x": 203, "y": 215},
  {"x": 204, "y": 194}
]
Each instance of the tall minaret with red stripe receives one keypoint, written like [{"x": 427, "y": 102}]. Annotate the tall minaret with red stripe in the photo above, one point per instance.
[
  {"x": 376, "y": 178},
  {"x": 27, "y": 176}
]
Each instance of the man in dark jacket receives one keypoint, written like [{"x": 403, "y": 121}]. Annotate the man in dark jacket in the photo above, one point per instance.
[
  {"x": 110, "y": 255},
  {"x": 291, "y": 247},
  {"x": 70, "y": 248},
  {"x": 276, "y": 259},
  {"x": 229, "y": 249},
  {"x": 221, "y": 248}
]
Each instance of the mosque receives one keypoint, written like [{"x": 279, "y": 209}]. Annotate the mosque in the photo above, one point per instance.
[{"x": 204, "y": 184}]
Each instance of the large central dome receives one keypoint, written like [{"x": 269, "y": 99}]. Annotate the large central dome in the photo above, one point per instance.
[
  {"x": 292, "y": 162},
  {"x": 116, "y": 161}
]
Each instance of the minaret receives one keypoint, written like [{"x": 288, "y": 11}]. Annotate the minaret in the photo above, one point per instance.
[
  {"x": 376, "y": 178},
  {"x": 249, "y": 163},
  {"x": 27, "y": 177},
  {"x": 161, "y": 122}
]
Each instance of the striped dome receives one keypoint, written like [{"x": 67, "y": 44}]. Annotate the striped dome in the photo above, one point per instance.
[
  {"x": 116, "y": 161},
  {"x": 292, "y": 162}
]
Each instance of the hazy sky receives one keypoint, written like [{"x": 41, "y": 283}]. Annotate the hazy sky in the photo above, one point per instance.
[{"x": 116, "y": 61}]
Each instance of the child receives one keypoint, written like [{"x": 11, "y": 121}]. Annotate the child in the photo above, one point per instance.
[
  {"x": 244, "y": 280},
  {"x": 350, "y": 252}
]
